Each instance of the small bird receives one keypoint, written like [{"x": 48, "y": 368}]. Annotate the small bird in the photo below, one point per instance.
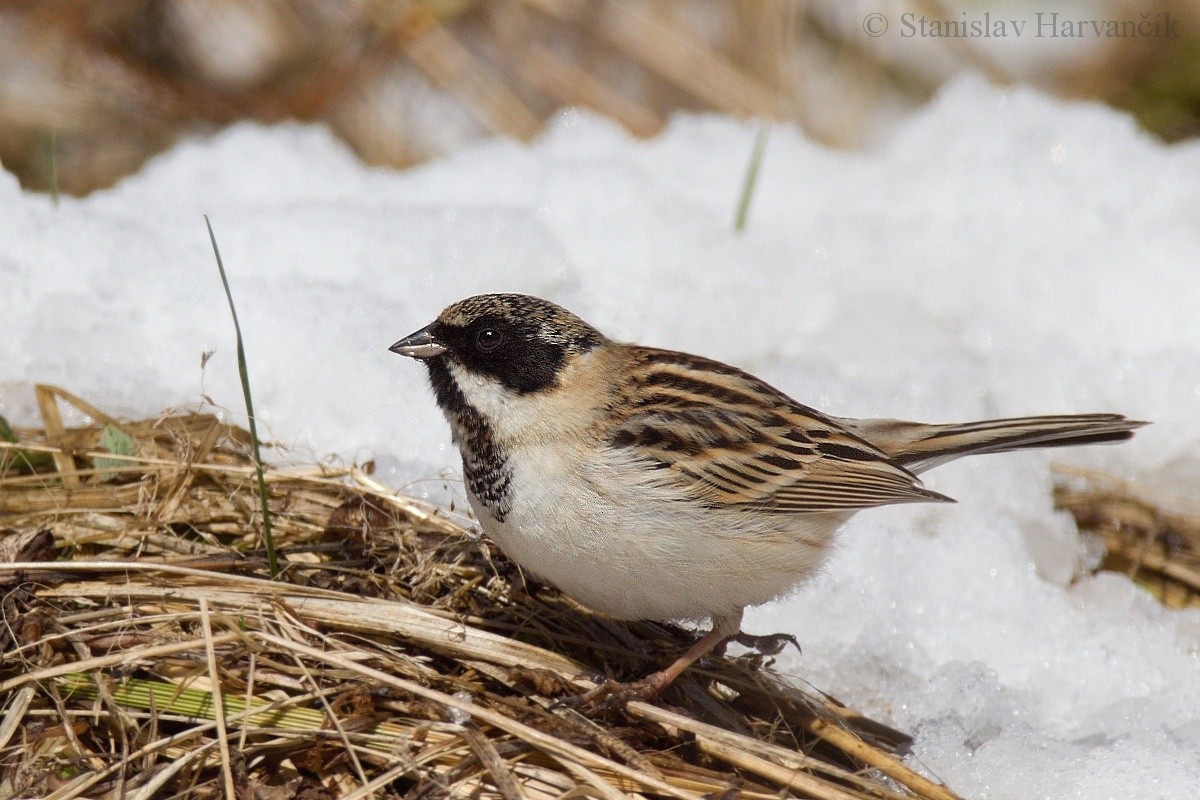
[{"x": 654, "y": 484}]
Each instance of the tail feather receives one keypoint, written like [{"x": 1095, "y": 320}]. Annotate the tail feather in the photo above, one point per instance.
[{"x": 919, "y": 447}]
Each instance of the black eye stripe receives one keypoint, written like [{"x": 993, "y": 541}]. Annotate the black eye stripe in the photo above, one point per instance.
[{"x": 523, "y": 348}]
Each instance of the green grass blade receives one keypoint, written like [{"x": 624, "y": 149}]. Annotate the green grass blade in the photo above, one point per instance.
[
  {"x": 117, "y": 442},
  {"x": 20, "y": 460},
  {"x": 169, "y": 698},
  {"x": 54, "y": 166},
  {"x": 244, "y": 374},
  {"x": 756, "y": 155}
]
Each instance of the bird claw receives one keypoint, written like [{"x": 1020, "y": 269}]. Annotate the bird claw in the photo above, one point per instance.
[{"x": 771, "y": 644}]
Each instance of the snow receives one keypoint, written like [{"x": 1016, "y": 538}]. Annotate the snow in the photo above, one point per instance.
[{"x": 1003, "y": 253}]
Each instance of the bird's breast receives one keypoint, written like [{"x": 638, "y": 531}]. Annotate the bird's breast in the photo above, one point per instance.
[{"x": 593, "y": 524}]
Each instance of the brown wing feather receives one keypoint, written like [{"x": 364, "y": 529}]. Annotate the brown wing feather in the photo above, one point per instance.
[{"x": 731, "y": 440}]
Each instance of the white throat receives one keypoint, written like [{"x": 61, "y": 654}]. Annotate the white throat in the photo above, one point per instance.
[{"x": 511, "y": 416}]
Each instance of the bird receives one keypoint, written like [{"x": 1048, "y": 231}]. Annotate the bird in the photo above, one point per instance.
[{"x": 648, "y": 483}]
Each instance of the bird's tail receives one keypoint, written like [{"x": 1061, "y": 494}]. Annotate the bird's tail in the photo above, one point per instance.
[{"x": 918, "y": 446}]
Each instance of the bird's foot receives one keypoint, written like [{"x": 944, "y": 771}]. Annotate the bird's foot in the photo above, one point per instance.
[{"x": 768, "y": 645}]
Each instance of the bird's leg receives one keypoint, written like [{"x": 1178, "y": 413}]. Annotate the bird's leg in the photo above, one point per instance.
[{"x": 649, "y": 686}]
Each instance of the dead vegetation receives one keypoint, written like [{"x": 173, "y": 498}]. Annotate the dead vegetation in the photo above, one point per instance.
[
  {"x": 1149, "y": 535},
  {"x": 89, "y": 90},
  {"x": 146, "y": 654}
]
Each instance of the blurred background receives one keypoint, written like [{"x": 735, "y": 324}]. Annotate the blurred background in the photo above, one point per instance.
[{"x": 90, "y": 89}]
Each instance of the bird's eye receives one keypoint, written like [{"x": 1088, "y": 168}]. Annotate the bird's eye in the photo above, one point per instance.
[{"x": 489, "y": 339}]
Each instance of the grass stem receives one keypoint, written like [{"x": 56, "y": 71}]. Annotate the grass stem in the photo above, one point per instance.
[
  {"x": 54, "y": 167},
  {"x": 243, "y": 373},
  {"x": 743, "y": 207}
]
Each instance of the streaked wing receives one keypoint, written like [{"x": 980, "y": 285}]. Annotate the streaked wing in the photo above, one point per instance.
[{"x": 730, "y": 440}]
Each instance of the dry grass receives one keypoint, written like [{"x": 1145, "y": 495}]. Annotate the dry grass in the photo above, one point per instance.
[
  {"x": 89, "y": 90},
  {"x": 145, "y": 654},
  {"x": 1149, "y": 535}
]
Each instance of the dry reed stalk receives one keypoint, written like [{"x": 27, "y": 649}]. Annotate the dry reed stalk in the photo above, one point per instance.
[
  {"x": 144, "y": 651},
  {"x": 572, "y": 85},
  {"x": 1149, "y": 534},
  {"x": 672, "y": 53},
  {"x": 451, "y": 66}
]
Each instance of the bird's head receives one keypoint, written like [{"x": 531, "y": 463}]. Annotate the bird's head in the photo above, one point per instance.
[{"x": 511, "y": 342}]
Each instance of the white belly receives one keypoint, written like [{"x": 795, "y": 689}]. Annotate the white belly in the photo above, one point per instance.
[{"x": 637, "y": 552}]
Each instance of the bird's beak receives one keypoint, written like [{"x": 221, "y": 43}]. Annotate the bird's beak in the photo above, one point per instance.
[{"x": 421, "y": 344}]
